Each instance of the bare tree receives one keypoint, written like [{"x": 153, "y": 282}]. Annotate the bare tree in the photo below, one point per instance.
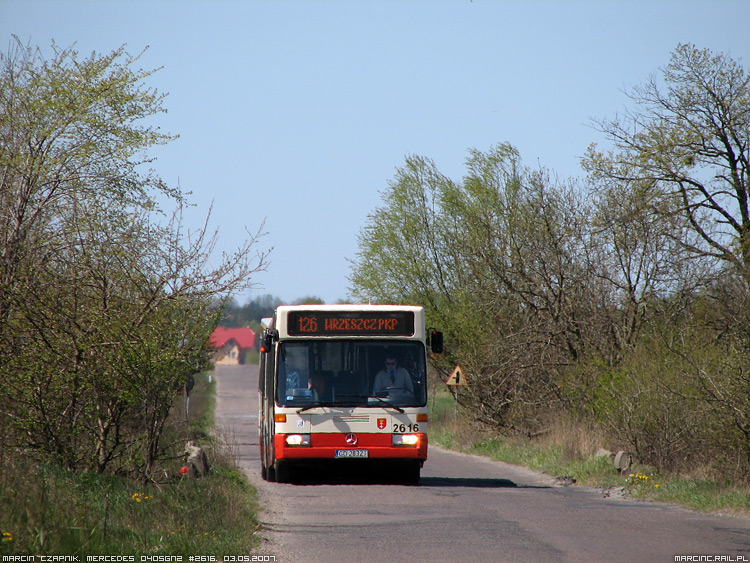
[{"x": 687, "y": 146}]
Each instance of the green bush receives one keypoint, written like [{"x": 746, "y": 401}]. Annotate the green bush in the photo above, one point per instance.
[{"x": 51, "y": 510}]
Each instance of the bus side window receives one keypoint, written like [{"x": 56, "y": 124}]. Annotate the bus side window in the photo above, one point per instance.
[
  {"x": 262, "y": 374},
  {"x": 270, "y": 368}
]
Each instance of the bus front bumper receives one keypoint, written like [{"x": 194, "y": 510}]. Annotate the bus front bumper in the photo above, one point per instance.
[{"x": 351, "y": 446}]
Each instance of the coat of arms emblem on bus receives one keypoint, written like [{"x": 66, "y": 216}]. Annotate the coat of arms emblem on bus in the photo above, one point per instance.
[{"x": 381, "y": 423}]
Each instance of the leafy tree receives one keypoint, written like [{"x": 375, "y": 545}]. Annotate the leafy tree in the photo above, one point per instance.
[
  {"x": 496, "y": 261},
  {"x": 404, "y": 250},
  {"x": 676, "y": 214},
  {"x": 69, "y": 131},
  {"x": 105, "y": 311}
]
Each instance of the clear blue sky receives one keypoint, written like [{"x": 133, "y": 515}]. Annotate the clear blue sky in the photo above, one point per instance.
[{"x": 300, "y": 112}]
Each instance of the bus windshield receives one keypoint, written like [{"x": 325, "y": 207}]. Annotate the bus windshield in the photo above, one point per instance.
[{"x": 381, "y": 373}]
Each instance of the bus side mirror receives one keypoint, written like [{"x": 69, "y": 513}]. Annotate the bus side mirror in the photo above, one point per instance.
[
  {"x": 269, "y": 337},
  {"x": 435, "y": 339}
]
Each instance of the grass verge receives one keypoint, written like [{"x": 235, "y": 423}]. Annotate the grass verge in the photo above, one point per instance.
[
  {"x": 47, "y": 510},
  {"x": 571, "y": 451}
]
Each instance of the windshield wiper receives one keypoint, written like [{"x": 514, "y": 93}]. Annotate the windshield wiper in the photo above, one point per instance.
[
  {"x": 323, "y": 404},
  {"x": 380, "y": 400},
  {"x": 310, "y": 406},
  {"x": 385, "y": 403}
]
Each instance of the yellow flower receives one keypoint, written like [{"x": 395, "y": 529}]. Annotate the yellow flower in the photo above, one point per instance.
[{"x": 7, "y": 537}]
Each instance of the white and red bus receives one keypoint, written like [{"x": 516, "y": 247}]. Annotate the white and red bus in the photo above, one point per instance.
[{"x": 344, "y": 384}]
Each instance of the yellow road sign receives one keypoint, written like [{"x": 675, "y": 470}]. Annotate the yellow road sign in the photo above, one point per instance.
[{"x": 457, "y": 377}]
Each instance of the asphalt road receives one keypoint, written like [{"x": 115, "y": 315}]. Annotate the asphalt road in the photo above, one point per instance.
[{"x": 466, "y": 508}]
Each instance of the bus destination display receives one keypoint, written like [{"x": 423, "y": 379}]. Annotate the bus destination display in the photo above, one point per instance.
[{"x": 349, "y": 323}]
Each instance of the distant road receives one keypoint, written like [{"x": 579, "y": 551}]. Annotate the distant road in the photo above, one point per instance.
[{"x": 466, "y": 508}]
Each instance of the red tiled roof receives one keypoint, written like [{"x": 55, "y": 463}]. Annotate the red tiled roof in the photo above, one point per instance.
[{"x": 244, "y": 337}]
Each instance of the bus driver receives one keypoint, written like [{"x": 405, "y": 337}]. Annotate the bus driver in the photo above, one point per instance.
[{"x": 392, "y": 376}]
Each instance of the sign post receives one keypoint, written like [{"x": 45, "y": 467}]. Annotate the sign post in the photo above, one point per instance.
[{"x": 455, "y": 379}]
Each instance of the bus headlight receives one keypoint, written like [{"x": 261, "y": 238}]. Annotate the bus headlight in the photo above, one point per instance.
[
  {"x": 405, "y": 439},
  {"x": 298, "y": 440}
]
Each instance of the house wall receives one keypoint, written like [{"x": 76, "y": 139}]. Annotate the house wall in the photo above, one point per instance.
[{"x": 228, "y": 355}]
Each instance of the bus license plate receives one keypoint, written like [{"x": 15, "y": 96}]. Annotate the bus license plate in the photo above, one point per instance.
[{"x": 351, "y": 453}]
